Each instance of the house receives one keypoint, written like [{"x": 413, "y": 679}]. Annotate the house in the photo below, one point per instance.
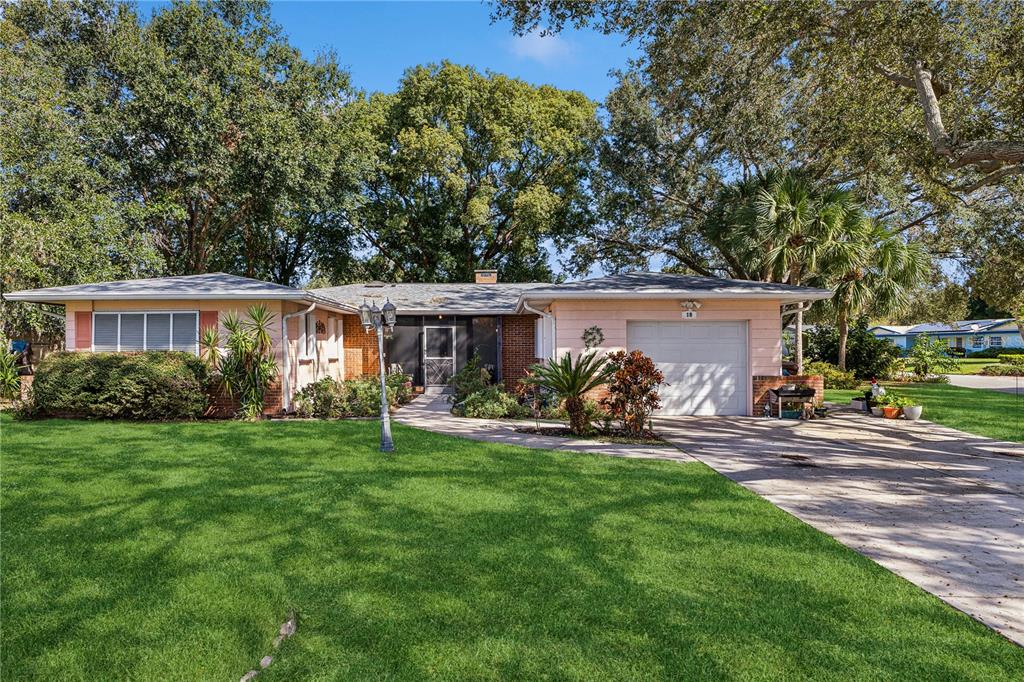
[
  {"x": 968, "y": 336},
  {"x": 718, "y": 341}
]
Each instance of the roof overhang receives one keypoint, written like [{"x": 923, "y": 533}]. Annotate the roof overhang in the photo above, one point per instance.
[
  {"x": 545, "y": 297},
  {"x": 59, "y": 298}
]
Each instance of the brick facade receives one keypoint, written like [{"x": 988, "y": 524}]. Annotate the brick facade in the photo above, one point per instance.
[
  {"x": 517, "y": 348},
  {"x": 360, "y": 349},
  {"x": 224, "y": 407},
  {"x": 762, "y": 384}
]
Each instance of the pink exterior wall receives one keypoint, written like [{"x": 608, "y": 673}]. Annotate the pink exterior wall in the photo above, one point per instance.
[
  {"x": 328, "y": 359},
  {"x": 763, "y": 318}
]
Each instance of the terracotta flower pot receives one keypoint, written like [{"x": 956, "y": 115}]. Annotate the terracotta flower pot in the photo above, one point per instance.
[{"x": 891, "y": 412}]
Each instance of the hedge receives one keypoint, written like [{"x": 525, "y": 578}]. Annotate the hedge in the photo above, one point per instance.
[
  {"x": 1008, "y": 359},
  {"x": 996, "y": 352},
  {"x": 154, "y": 385}
]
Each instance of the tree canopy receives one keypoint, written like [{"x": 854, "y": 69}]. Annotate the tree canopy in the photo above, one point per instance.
[
  {"x": 918, "y": 105},
  {"x": 470, "y": 170}
]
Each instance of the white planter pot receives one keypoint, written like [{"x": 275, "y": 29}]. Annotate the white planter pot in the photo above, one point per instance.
[
  {"x": 912, "y": 413},
  {"x": 877, "y": 411}
]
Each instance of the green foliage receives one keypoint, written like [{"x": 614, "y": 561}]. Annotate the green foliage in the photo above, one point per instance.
[
  {"x": 1012, "y": 359},
  {"x": 469, "y": 170},
  {"x": 329, "y": 398},
  {"x": 492, "y": 402},
  {"x": 834, "y": 377},
  {"x": 996, "y": 353},
  {"x": 633, "y": 389},
  {"x": 472, "y": 378},
  {"x": 867, "y": 356},
  {"x": 155, "y": 385},
  {"x": 593, "y": 413},
  {"x": 10, "y": 382},
  {"x": 571, "y": 380},
  {"x": 722, "y": 89},
  {"x": 1001, "y": 370},
  {"x": 929, "y": 356},
  {"x": 248, "y": 367},
  {"x": 891, "y": 399}
]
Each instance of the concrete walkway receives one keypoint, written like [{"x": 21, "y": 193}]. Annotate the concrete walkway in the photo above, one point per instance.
[
  {"x": 942, "y": 508},
  {"x": 1002, "y": 384}
]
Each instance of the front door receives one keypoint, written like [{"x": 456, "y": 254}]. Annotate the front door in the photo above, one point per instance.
[{"x": 438, "y": 355}]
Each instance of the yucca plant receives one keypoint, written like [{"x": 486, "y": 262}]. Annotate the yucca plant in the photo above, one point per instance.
[
  {"x": 571, "y": 381},
  {"x": 248, "y": 366},
  {"x": 10, "y": 382}
]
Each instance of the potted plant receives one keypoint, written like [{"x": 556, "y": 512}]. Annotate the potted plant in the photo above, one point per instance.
[
  {"x": 892, "y": 406},
  {"x": 912, "y": 411}
]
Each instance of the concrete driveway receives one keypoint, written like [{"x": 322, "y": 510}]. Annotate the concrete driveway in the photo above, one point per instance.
[
  {"x": 941, "y": 508},
  {"x": 1002, "y": 384}
]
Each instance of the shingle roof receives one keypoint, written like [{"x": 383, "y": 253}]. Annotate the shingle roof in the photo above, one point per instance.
[
  {"x": 214, "y": 285},
  {"x": 643, "y": 284},
  {"x": 962, "y": 326},
  {"x": 495, "y": 299}
]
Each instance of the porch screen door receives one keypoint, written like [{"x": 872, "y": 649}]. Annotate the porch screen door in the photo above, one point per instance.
[{"x": 438, "y": 355}]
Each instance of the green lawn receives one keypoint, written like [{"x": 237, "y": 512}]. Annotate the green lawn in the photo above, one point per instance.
[
  {"x": 972, "y": 365},
  {"x": 173, "y": 552},
  {"x": 974, "y": 410}
]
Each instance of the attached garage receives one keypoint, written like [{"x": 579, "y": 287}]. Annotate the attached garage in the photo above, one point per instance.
[{"x": 705, "y": 364}]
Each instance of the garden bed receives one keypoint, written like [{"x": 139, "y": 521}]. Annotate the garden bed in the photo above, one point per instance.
[{"x": 611, "y": 436}]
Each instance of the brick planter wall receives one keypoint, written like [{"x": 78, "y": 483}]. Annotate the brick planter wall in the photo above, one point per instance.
[
  {"x": 224, "y": 407},
  {"x": 517, "y": 347},
  {"x": 762, "y": 384}
]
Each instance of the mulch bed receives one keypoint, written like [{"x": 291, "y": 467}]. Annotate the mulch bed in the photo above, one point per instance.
[{"x": 612, "y": 436}]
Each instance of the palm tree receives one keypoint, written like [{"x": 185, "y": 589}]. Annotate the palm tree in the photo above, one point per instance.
[
  {"x": 870, "y": 268},
  {"x": 571, "y": 381},
  {"x": 799, "y": 227}
]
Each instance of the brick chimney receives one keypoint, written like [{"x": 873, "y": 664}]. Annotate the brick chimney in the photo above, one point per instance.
[{"x": 486, "y": 276}]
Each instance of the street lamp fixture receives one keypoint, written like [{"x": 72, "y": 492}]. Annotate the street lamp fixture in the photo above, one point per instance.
[{"x": 382, "y": 321}]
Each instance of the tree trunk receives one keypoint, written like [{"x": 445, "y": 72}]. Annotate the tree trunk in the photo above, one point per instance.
[
  {"x": 844, "y": 333},
  {"x": 799, "y": 352},
  {"x": 577, "y": 416}
]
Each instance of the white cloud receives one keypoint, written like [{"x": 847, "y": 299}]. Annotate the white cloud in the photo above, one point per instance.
[{"x": 546, "y": 49}]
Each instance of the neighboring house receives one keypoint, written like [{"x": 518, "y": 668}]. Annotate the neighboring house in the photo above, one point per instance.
[
  {"x": 969, "y": 336},
  {"x": 718, "y": 341}
]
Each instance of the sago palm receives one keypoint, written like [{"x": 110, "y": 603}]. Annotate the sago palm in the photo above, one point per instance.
[{"x": 571, "y": 380}]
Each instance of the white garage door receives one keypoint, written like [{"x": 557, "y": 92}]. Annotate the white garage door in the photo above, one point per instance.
[{"x": 705, "y": 364}]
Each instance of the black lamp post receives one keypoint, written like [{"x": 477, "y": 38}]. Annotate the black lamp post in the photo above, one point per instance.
[{"x": 381, "y": 321}]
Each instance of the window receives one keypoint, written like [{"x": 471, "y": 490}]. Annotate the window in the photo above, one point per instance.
[
  {"x": 310, "y": 335},
  {"x": 146, "y": 331},
  {"x": 995, "y": 341},
  {"x": 978, "y": 341}
]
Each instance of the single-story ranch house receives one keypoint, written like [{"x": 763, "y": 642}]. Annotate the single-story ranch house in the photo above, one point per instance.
[
  {"x": 969, "y": 336},
  {"x": 718, "y": 341}
]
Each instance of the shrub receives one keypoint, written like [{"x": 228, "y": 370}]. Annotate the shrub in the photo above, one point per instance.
[
  {"x": 833, "y": 376},
  {"x": 929, "y": 356},
  {"x": 633, "y": 390},
  {"x": 867, "y": 356},
  {"x": 491, "y": 403},
  {"x": 328, "y": 398},
  {"x": 1001, "y": 370},
  {"x": 994, "y": 353},
  {"x": 154, "y": 385},
  {"x": 472, "y": 378},
  {"x": 1008, "y": 359}
]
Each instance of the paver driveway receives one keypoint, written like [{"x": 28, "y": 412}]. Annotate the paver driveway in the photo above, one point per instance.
[{"x": 942, "y": 508}]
